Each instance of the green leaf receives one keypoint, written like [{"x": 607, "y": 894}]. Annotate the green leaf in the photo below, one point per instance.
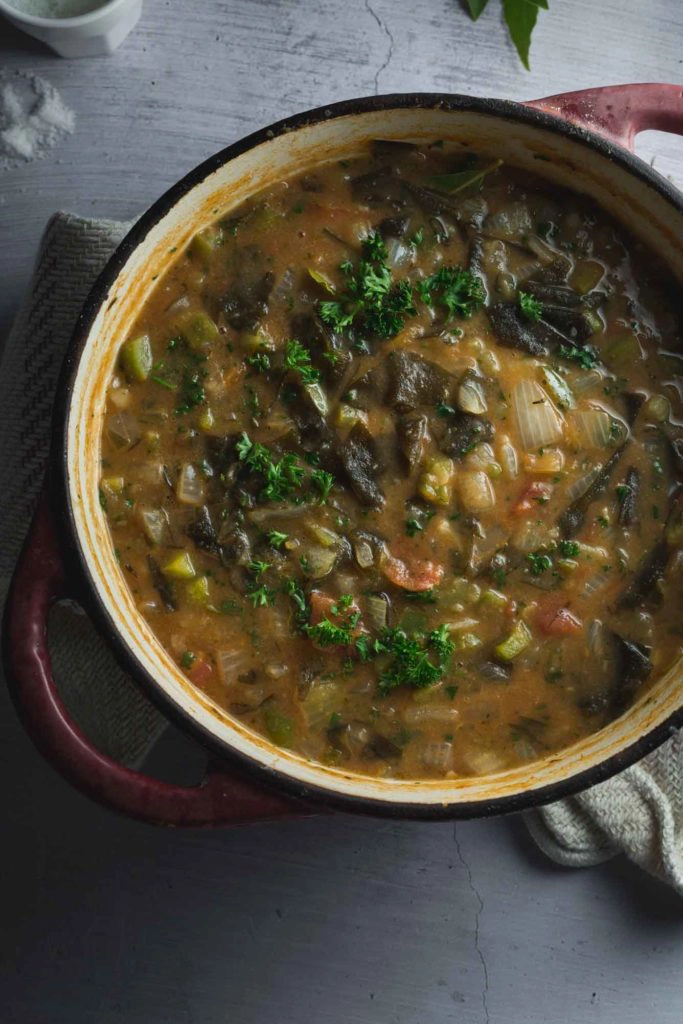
[
  {"x": 459, "y": 180},
  {"x": 520, "y": 17},
  {"x": 476, "y": 7}
]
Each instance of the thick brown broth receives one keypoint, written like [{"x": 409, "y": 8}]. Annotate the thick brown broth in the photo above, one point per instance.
[{"x": 391, "y": 464}]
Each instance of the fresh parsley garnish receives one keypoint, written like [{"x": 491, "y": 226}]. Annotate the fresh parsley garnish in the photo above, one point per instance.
[
  {"x": 281, "y": 477},
  {"x": 276, "y": 538},
  {"x": 258, "y": 568},
  {"x": 460, "y": 291},
  {"x": 323, "y": 482},
  {"x": 192, "y": 391},
  {"x": 568, "y": 548},
  {"x": 417, "y": 661},
  {"x": 413, "y": 526},
  {"x": 261, "y": 596},
  {"x": 371, "y": 300},
  {"x": 298, "y": 359},
  {"x": 539, "y": 563},
  {"x": 260, "y": 361},
  {"x": 586, "y": 357},
  {"x": 529, "y": 307}
]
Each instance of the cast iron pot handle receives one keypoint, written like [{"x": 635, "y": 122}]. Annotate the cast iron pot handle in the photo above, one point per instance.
[
  {"x": 39, "y": 581},
  {"x": 620, "y": 112}
]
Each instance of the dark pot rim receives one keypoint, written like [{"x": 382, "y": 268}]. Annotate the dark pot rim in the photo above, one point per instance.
[{"x": 58, "y": 465}]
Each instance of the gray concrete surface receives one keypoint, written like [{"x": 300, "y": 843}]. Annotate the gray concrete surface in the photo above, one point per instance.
[{"x": 332, "y": 920}]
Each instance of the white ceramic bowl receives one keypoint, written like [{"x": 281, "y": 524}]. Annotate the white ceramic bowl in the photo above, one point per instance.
[{"x": 88, "y": 35}]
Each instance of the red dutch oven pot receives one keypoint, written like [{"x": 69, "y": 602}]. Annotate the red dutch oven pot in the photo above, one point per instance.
[{"x": 584, "y": 140}]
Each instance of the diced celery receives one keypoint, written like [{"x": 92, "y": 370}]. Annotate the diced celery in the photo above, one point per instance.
[
  {"x": 494, "y": 598},
  {"x": 622, "y": 352},
  {"x": 458, "y": 593},
  {"x": 347, "y": 416},
  {"x": 674, "y": 530},
  {"x": 198, "y": 590},
  {"x": 180, "y": 567},
  {"x": 137, "y": 358},
  {"x": 468, "y": 641},
  {"x": 323, "y": 280},
  {"x": 518, "y": 640},
  {"x": 278, "y": 725},
  {"x": 558, "y": 388},
  {"x": 436, "y": 483},
  {"x": 206, "y": 421},
  {"x": 152, "y": 440},
  {"x": 321, "y": 701},
  {"x": 205, "y": 243},
  {"x": 257, "y": 341},
  {"x": 566, "y": 566},
  {"x": 317, "y": 395},
  {"x": 113, "y": 484},
  {"x": 657, "y": 409},
  {"x": 198, "y": 329},
  {"x": 321, "y": 534},
  {"x": 586, "y": 275}
]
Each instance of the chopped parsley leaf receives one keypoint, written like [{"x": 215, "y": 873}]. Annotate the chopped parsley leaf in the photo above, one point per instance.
[{"x": 530, "y": 307}]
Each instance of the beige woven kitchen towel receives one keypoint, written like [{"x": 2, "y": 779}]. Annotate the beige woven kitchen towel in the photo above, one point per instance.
[
  {"x": 639, "y": 813},
  {"x": 103, "y": 701}
]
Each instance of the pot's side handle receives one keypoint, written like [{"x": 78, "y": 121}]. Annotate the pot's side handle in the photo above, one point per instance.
[
  {"x": 39, "y": 581},
  {"x": 619, "y": 112}
]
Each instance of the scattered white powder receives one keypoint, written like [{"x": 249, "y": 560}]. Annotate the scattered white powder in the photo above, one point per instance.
[
  {"x": 56, "y": 8},
  {"x": 33, "y": 119}
]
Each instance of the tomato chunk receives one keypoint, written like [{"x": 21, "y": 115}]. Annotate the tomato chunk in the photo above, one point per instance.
[
  {"x": 556, "y": 620},
  {"x": 412, "y": 573},
  {"x": 536, "y": 493},
  {"x": 200, "y": 672}
]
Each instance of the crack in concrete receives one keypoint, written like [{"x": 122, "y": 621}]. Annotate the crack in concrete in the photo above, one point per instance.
[
  {"x": 390, "y": 52},
  {"x": 480, "y": 906}
]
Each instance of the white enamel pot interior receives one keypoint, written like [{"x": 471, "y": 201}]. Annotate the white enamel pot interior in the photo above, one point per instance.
[{"x": 624, "y": 186}]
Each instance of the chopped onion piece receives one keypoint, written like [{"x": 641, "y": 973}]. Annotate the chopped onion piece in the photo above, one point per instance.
[
  {"x": 593, "y": 427},
  {"x": 507, "y": 455},
  {"x": 547, "y": 464},
  {"x": 363, "y": 553},
  {"x": 480, "y": 457},
  {"x": 155, "y": 524},
  {"x": 580, "y": 486},
  {"x": 430, "y": 713},
  {"x": 476, "y": 492},
  {"x": 438, "y": 756},
  {"x": 190, "y": 486},
  {"x": 378, "y": 607},
  {"x": 587, "y": 382},
  {"x": 471, "y": 396},
  {"x": 123, "y": 429},
  {"x": 231, "y": 664},
  {"x": 398, "y": 253},
  {"x": 319, "y": 561},
  {"x": 538, "y": 420},
  {"x": 534, "y": 536}
]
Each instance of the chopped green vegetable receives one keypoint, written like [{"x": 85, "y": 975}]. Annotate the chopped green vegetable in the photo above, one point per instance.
[
  {"x": 323, "y": 482},
  {"x": 539, "y": 563},
  {"x": 586, "y": 357},
  {"x": 568, "y": 548},
  {"x": 460, "y": 291},
  {"x": 279, "y": 726},
  {"x": 276, "y": 538},
  {"x": 371, "y": 299},
  {"x": 180, "y": 567},
  {"x": 187, "y": 659},
  {"x": 530, "y": 307},
  {"x": 413, "y": 526},
  {"x": 417, "y": 661},
  {"x": 460, "y": 180},
  {"x": 298, "y": 359},
  {"x": 137, "y": 358},
  {"x": 518, "y": 640},
  {"x": 262, "y": 596},
  {"x": 281, "y": 477}
]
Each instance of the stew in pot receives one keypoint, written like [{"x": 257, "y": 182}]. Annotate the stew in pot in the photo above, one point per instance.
[{"x": 392, "y": 461}]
